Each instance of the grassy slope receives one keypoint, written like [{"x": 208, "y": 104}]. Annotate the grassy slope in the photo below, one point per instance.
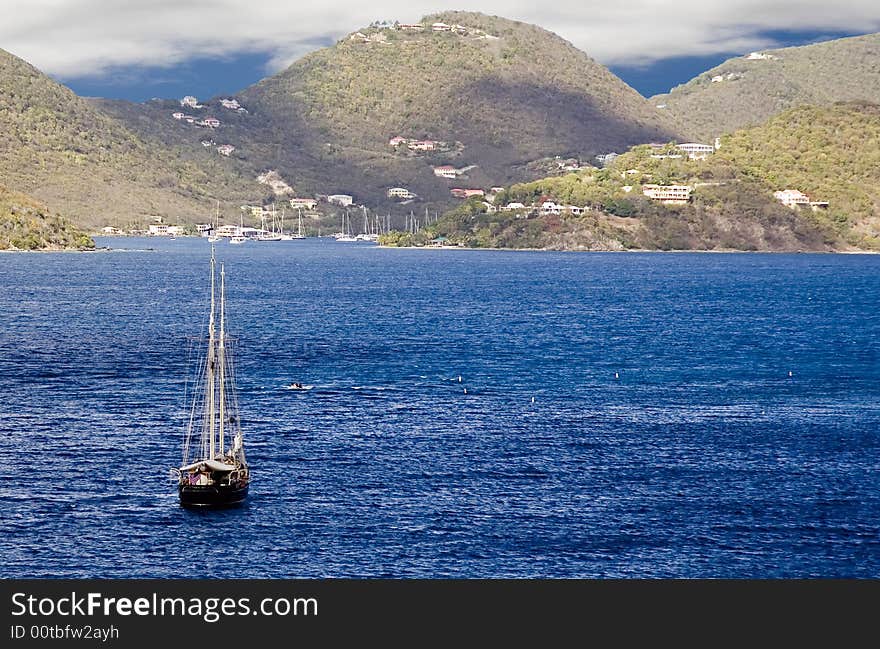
[
  {"x": 59, "y": 148},
  {"x": 830, "y": 153},
  {"x": 26, "y": 224},
  {"x": 846, "y": 69}
]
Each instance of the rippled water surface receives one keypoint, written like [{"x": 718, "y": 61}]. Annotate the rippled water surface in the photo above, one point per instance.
[{"x": 666, "y": 437}]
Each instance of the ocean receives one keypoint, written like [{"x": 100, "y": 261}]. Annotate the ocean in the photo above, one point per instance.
[{"x": 473, "y": 413}]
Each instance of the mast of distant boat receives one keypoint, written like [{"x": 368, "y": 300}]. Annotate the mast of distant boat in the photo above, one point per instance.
[
  {"x": 210, "y": 396},
  {"x": 221, "y": 354}
]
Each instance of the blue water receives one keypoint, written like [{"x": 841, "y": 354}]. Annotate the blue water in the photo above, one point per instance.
[{"x": 703, "y": 458}]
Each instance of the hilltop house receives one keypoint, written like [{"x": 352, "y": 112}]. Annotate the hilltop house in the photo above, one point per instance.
[
  {"x": 210, "y": 122},
  {"x": 446, "y": 171},
  {"x": 190, "y": 101},
  {"x": 668, "y": 194},
  {"x": 231, "y": 104},
  {"x": 307, "y": 203},
  {"x": 412, "y": 28},
  {"x": 225, "y": 149},
  {"x": 397, "y": 141},
  {"x": 340, "y": 199},
  {"x": 440, "y": 27},
  {"x": 178, "y": 115},
  {"x": 513, "y": 206}
]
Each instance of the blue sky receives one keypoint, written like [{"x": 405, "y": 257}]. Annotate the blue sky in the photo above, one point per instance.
[{"x": 166, "y": 48}]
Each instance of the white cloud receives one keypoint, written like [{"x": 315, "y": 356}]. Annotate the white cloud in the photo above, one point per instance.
[{"x": 77, "y": 38}]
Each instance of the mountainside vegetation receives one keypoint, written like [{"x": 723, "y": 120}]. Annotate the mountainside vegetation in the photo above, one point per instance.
[
  {"x": 27, "y": 224},
  {"x": 497, "y": 95},
  {"x": 500, "y": 92},
  {"x": 831, "y": 154},
  {"x": 61, "y": 149},
  {"x": 748, "y": 90}
]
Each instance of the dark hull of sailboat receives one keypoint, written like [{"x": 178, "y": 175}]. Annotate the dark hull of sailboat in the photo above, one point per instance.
[{"x": 212, "y": 495}]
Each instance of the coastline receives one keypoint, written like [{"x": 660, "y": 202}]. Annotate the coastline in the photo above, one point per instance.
[{"x": 643, "y": 250}]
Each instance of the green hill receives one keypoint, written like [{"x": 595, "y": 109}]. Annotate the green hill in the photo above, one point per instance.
[
  {"x": 748, "y": 91},
  {"x": 61, "y": 149},
  {"x": 509, "y": 93},
  {"x": 26, "y": 224},
  {"x": 831, "y": 154},
  {"x": 500, "y": 94}
]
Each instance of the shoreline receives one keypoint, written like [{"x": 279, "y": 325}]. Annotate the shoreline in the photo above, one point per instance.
[{"x": 645, "y": 250}]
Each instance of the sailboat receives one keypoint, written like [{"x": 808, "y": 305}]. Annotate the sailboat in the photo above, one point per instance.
[
  {"x": 214, "y": 236},
  {"x": 299, "y": 226},
  {"x": 345, "y": 235},
  {"x": 239, "y": 236},
  {"x": 265, "y": 234},
  {"x": 212, "y": 474}
]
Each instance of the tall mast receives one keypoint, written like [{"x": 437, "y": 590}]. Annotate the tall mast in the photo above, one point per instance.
[
  {"x": 222, "y": 353},
  {"x": 210, "y": 365}
]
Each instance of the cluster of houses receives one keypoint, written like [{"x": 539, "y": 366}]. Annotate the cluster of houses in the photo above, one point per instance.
[
  {"x": 544, "y": 206},
  {"x": 437, "y": 27},
  {"x": 342, "y": 200},
  {"x": 377, "y": 37},
  {"x": 444, "y": 27},
  {"x": 795, "y": 199},
  {"x": 208, "y": 122},
  {"x": 230, "y": 104},
  {"x": 417, "y": 145},
  {"x": 223, "y": 149}
]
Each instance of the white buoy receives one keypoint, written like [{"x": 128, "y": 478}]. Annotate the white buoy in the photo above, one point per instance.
[
  {"x": 533, "y": 399},
  {"x": 465, "y": 390},
  {"x": 616, "y": 375},
  {"x": 459, "y": 378},
  {"x": 789, "y": 373}
]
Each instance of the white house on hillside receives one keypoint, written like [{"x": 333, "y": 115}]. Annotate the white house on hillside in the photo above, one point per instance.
[
  {"x": 340, "y": 199},
  {"x": 669, "y": 194}
]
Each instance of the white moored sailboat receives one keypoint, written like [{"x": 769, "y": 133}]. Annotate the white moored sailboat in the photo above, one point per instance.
[{"x": 212, "y": 474}]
